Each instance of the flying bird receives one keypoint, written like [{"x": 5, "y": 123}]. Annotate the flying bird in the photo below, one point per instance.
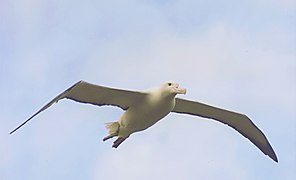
[{"x": 144, "y": 108}]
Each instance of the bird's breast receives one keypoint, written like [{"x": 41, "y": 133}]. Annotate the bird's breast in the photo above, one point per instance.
[{"x": 146, "y": 113}]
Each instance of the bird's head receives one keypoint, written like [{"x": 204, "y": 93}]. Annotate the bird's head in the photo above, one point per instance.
[{"x": 173, "y": 88}]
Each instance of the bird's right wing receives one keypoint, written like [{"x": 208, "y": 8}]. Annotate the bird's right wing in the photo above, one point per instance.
[
  {"x": 239, "y": 122},
  {"x": 85, "y": 92}
]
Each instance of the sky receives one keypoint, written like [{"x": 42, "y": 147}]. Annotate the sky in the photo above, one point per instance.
[{"x": 239, "y": 55}]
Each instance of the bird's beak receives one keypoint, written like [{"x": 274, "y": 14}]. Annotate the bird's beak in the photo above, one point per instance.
[{"x": 180, "y": 90}]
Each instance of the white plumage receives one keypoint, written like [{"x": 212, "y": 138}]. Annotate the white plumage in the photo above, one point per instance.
[{"x": 145, "y": 108}]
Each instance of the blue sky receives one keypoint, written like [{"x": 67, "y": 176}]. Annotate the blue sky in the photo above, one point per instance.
[{"x": 236, "y": 55}]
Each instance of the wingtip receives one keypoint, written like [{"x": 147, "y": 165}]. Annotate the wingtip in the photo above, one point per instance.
[
  {"x": 274, "y": 157},
  {"x": 22, "y": 124},
  {"x": 11, "y": 132},
  {"x": 270, "y": 152},
  {"x": 276, "y": 160}
]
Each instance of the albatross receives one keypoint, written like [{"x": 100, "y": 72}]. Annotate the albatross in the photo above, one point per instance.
[{"x": 142, "y": 109}]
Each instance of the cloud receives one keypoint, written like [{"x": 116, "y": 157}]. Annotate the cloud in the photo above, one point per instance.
[
  {"x": 240, "y": 58},
  {"x": 167, "y": 152}
]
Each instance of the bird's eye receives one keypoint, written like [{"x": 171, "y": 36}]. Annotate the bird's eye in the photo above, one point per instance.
[{"x": 169, "y": 84}]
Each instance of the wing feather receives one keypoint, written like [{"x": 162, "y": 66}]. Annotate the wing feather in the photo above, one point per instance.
[
  {"x": 85, "y": 92},
  {"x": 239, "y": 122}
]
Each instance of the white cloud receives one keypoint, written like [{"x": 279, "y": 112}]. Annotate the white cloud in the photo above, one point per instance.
[
  {"x": 171, "y": 154},
  {"x": 240, "y": 66}
]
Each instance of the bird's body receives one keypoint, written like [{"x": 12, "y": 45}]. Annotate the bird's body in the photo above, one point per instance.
[
  {"x": 155, "y": 105},
  {"x": 144, "y": 114},
  {"x": 147, "y": 112},
  {"x": 144, "y": 108}
]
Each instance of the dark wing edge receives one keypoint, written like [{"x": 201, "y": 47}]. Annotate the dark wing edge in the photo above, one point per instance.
[
  {"x": 85, "y": 92},
  {"x": 54, "y": 100},
  {"x": 237, "y": 121}
]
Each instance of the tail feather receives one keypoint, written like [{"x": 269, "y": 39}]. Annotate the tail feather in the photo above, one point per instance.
[{"x": 113, "y": 128}]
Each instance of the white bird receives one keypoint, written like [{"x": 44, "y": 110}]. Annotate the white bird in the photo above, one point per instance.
[{"x": 145, "y": 108}]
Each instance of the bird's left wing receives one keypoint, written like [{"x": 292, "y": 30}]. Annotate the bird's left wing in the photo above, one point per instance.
[
  {"x": 85, "y": 92},
  {"x": 239, "y": 122}
]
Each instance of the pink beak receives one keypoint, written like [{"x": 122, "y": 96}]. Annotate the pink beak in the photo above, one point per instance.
[{"x": 180, "y": 90}]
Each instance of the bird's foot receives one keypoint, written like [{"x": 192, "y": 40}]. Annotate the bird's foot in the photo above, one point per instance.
[
  {"x": 109, "y": 136},
  {"x": 118, "y": 141}
]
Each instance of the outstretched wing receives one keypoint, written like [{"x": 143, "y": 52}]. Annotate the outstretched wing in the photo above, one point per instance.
[
  {"x": 239, "y": 122},
  {"x": 85, "y": 92}
]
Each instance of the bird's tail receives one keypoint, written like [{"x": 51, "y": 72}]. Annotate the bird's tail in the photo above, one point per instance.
[{"x": 113, "y": 128}]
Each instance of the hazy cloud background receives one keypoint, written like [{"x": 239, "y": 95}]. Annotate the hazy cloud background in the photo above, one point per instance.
[{"x": 236, "y": 55}]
